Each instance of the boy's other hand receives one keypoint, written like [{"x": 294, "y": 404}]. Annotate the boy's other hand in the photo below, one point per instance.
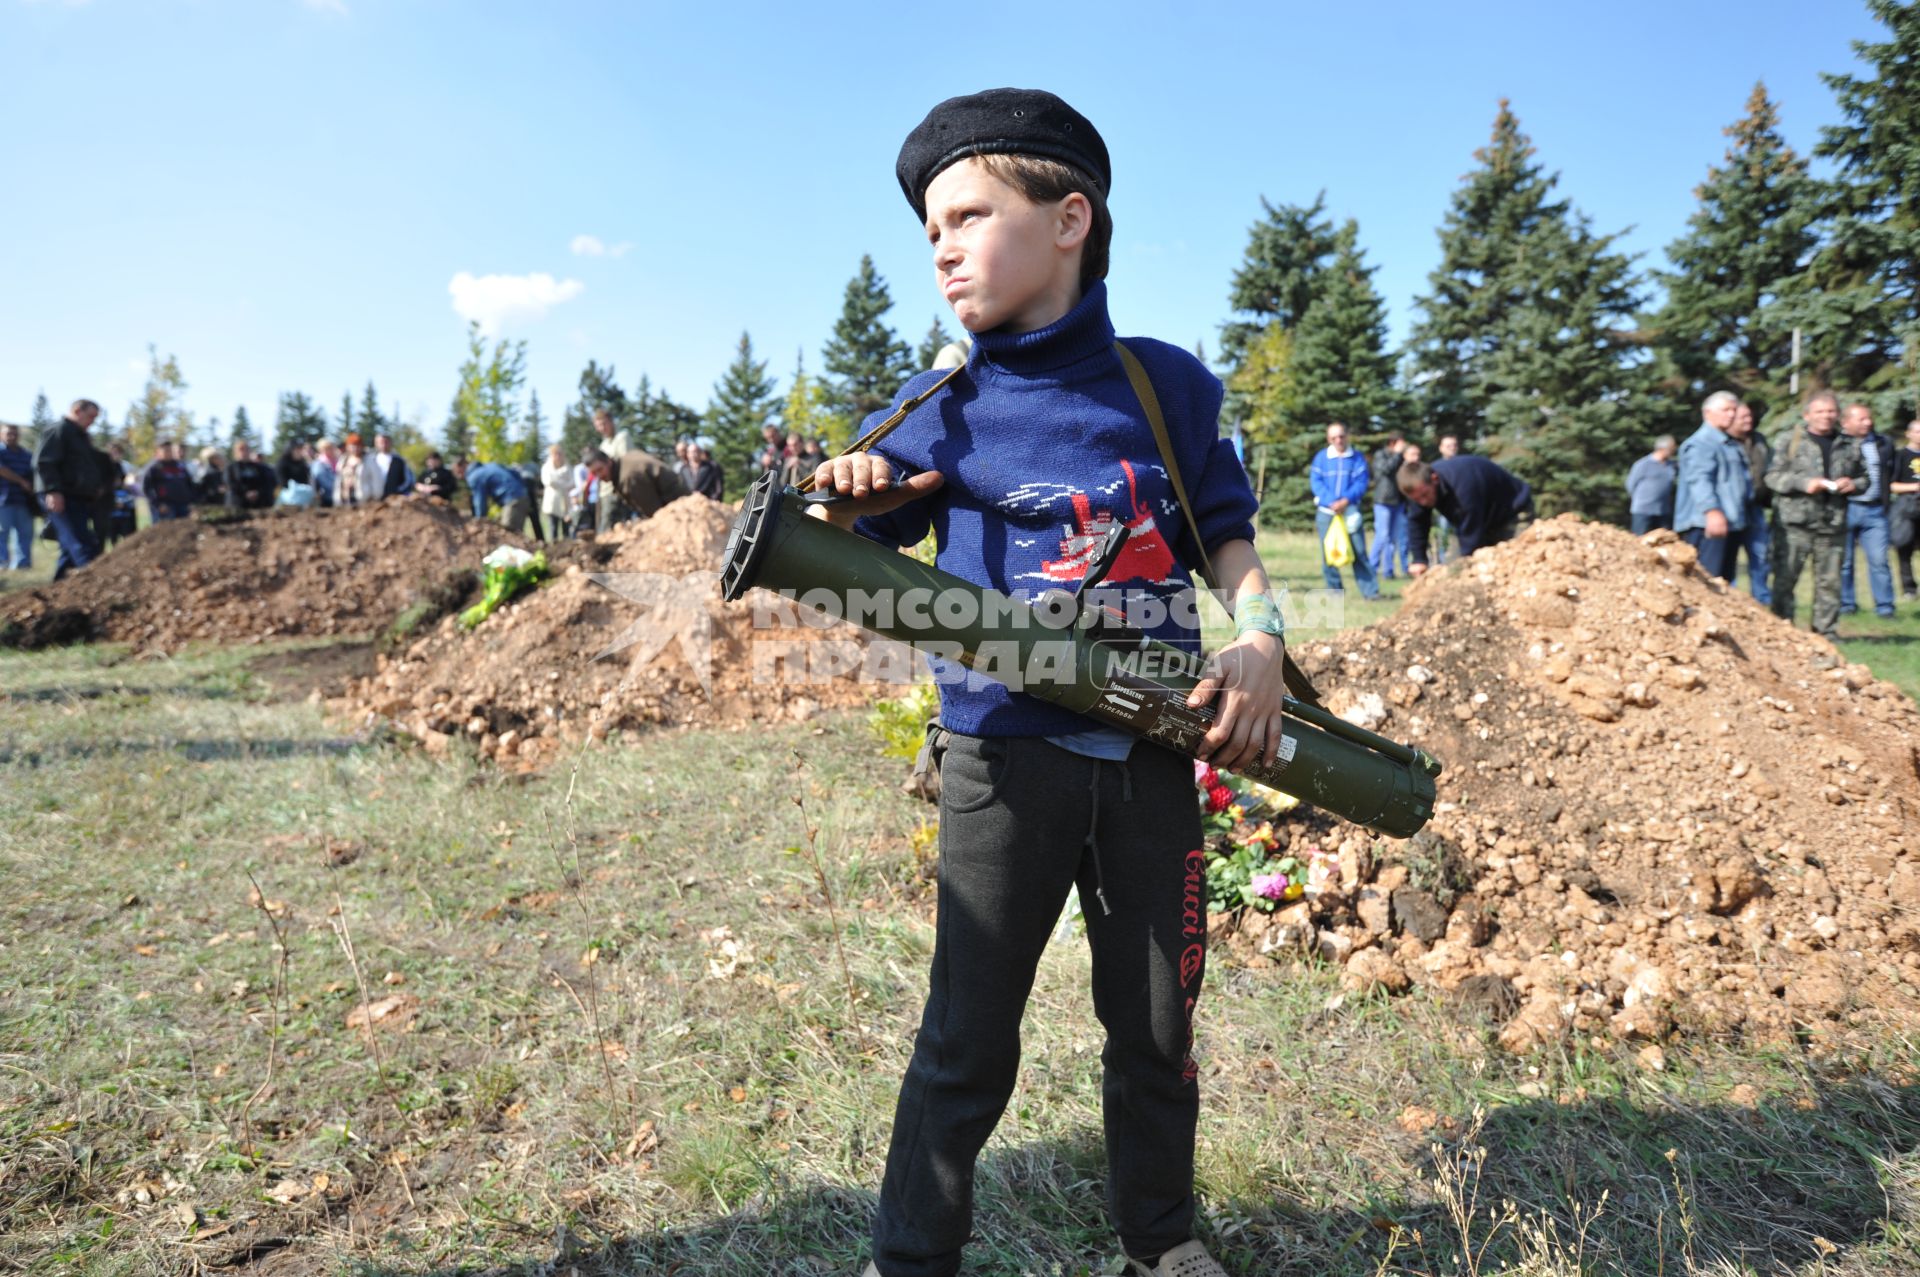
[
  {"x": 868, "y": 478},
  {"x": 1246, "y": 676}
]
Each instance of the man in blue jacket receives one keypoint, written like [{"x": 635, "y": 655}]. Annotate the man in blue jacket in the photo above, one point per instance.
[
  {"x": 1482, "y": 500},
  {"x": 492, "y": 484},
  {"x": 1338, "y": 477},
  {"x": 1713, "y": 486}
]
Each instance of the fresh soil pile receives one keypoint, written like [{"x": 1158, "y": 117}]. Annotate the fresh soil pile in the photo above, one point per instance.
[
  {"x": 1664, "y": 810},
  {"x": 272, "y": 574},
  {"x": 580, "y": 658}
]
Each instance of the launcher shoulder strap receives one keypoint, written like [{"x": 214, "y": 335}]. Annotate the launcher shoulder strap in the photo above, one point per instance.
[
  {"x": 1296, "y": 679},
  {"x": 1150, "y": 404}
]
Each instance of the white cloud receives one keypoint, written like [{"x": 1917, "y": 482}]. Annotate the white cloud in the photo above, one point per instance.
[
  {"x": 594, "y": 246},
  {"x": 493, "y": 300}
]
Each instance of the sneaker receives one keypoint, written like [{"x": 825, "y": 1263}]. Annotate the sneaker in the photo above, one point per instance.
[{"x": 1188, "y": 1259}]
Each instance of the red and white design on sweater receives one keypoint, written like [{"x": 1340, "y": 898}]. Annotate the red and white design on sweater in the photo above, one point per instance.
[{"x": 1147, "y": 557}]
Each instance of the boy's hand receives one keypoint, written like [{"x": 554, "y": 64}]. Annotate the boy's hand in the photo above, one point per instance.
[
  {"x": 1247, "y": 726},
  {"x": 867, "y": 477}
]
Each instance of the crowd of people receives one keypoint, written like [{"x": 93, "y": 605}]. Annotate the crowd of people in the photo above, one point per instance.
[
  {"x": 1826, "y": 489},
  {"x": 86, "y": 496},
  {"x": 1422, "y": 511}
]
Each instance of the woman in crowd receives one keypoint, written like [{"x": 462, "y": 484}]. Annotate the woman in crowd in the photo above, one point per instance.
[
  {"x": 346, "y": 490},
  {"x": 556, "y": 491}
]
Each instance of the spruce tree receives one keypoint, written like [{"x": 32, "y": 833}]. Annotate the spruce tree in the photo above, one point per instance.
[
  {"x": 348, "y": 423},
  {"x": 456, "y": 437},
  {"x": 534, "y": 447},
  {"x": 1724, "y": 323},
  {"x": 1571, "y": 404},
  {"x": 242, "y": 428},
  {"x": 1860, "y": 304},
  {"x": 1340, "y": 367},
  {"x": 1482, "y": 280},
  {"x": 867, "y": 360},
  {"x": 1279, "y": 277},
  {"x": 742, "y": 404},
  {"x": 598, "y": 389},
  {"x": 371, "y": 421},
  {"x": 931, "y": 345},
  {"x": 297, "y": 420},
  {"x": 1524, "y": 345},
  {"x": 43, "y": 419}
]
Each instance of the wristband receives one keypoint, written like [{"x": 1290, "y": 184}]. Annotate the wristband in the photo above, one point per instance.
[{"x": 1258, "y": 614}]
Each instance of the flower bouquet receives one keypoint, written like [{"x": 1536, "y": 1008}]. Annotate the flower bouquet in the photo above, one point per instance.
[{"x": 1245, "y": 866}]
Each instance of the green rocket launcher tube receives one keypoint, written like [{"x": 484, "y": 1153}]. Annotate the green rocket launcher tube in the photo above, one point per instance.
[{"x": 1061, "y": 650}]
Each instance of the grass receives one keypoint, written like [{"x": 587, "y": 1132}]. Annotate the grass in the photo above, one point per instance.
[
  {"x": 618, "y": 1037},
  {"x": 593, "y": 1073}
]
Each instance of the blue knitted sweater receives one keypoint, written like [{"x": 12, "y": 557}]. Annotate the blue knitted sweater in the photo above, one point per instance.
[{"x": 1044, "y": 445}]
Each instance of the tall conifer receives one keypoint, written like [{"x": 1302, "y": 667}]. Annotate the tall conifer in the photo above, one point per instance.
[
  {"x": 867, "y": 359},
  {"x": 1723, "y": 324},
  {"x": 1524, "y": 344},
  {"x": 742, "y": 404}
]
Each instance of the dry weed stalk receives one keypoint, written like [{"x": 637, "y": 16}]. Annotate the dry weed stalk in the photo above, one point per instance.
[
  {"x": 259, "y": 901},
  {"x": 833, "y": 913}
]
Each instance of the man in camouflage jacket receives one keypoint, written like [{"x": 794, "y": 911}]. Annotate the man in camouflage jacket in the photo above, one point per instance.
[{"x": 1815, "y": 469}]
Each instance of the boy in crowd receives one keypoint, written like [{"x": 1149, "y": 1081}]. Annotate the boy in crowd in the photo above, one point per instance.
[{"x": 1043, "y": 443}]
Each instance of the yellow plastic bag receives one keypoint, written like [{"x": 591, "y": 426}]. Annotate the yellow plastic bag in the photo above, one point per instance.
[{"x": 1338, "y": 547}]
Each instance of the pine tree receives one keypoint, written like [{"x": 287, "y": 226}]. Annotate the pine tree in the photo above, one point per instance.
[
  {"x": 1723, "y": 323},
  {"x": 347, "y": 422},
  {"x": 43, "y": 419},
  {"x": 534, "y": 447},
  {"x": 1279, "y": 277},
  {"x": 371, "y": 422},
  {"x": 488, "y": 398},
  {"x": 1572, "y": 404},
  {"x": 1860, "y": 300},
  {"x": 598, "y": 389},
  {"x": 1481, "y": 281},
  {"x": 660, "y": 420},
  {"x": 1341, "y": 370},
  {"x": 867, "y": 360},
  {"x": 297, "y": 420},
  {"x": 456, "y": 437},
  {"x": 158, "y": 413},
  {"x": 242, "y": 428},
  {"x": 742, "y": 404},
  {"x": 1523, "y": 344},
  {"x": 931, "y": 345}
]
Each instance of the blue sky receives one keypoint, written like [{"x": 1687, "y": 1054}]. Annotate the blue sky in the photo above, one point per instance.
[{"x": 305, "y": 194}]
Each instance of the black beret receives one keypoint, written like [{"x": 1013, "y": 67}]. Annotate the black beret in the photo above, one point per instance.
[{"x": 999, "y": 122}]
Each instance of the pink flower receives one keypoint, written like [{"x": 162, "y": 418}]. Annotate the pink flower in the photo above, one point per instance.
[
  {"x": 1270, "y": 886},
  {"x": 1204, "y": 775}
]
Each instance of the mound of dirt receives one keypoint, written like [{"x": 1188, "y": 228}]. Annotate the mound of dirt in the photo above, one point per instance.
[
  {"x": 1664, "y": 809},
  {"x": 272, "y": 574},
  {"x": 582, "y": 656}
]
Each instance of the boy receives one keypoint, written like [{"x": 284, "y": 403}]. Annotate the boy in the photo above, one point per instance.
[{"x": 1019, "y": 468}]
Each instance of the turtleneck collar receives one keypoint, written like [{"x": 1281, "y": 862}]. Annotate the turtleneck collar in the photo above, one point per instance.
[{"x": 1081, "y": 332}]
